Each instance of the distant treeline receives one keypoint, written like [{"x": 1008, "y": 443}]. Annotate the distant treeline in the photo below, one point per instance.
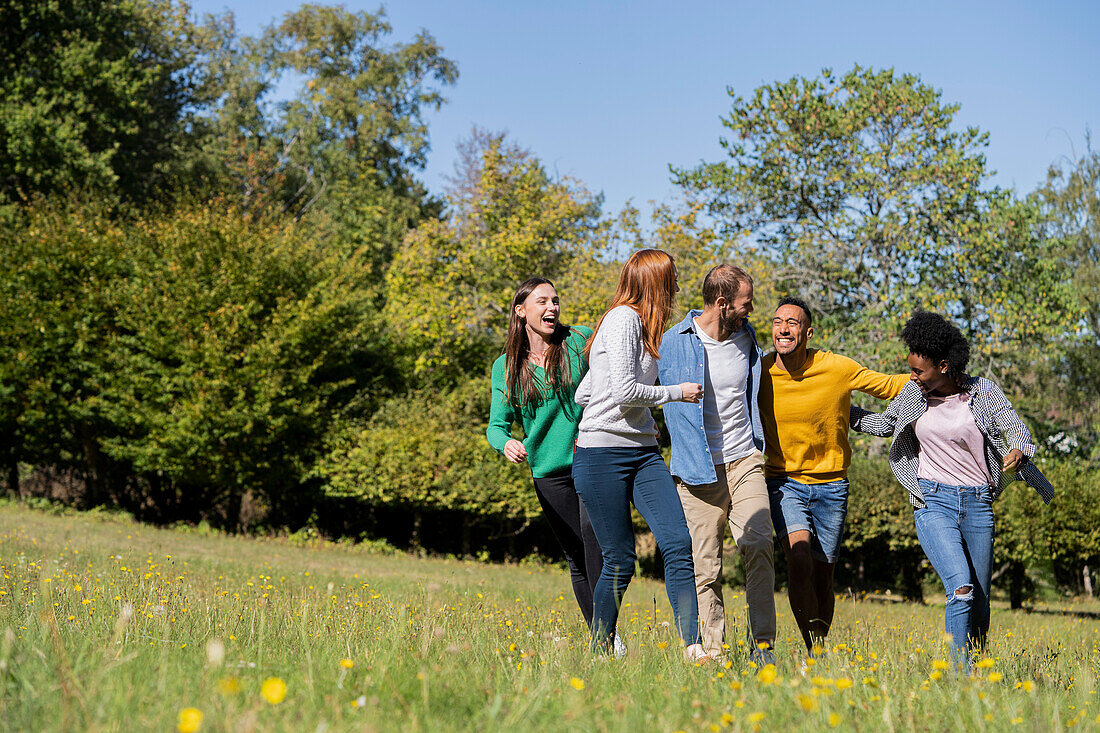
[{"x": 220, "y": 305}]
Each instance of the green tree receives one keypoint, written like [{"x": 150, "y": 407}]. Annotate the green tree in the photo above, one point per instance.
[
  {"x": 451, "y": 282},
  {"x": 94, "y": 95},
  {"x": 1071, "y": 202},
  {"x": 186, "y": 365},
  {"x": 868, "y": 203},
  {"x": 347, "y": 143}
]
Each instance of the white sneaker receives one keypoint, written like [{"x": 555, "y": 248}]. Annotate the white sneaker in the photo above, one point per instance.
[
  {"x": 696, "y": 653},
  {"x": 618, "y": 648}
]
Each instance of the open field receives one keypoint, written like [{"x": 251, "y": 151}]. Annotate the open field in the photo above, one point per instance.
[{"x": 111, "y": 625}]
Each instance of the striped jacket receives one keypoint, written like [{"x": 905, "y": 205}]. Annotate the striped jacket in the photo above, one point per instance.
[{"x": 994, "y": 416}]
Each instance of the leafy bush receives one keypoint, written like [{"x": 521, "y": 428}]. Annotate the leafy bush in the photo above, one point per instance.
[
  {"x": 880, "y": 543},
  {"x": 189, "y": 364},
  {"x": 427, "y": 451}
]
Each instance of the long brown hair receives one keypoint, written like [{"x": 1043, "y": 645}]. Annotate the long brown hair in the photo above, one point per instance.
[
  {"x": 520, "y": 385},
  {"x": 647, "y": 283}
]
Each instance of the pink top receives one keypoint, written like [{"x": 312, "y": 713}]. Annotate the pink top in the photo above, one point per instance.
[{"x": 952, "y": 449}]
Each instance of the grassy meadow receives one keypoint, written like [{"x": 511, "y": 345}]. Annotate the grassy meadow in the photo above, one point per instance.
[{"x": 106, "y": 624}]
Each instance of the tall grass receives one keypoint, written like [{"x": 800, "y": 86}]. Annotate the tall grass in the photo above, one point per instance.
[{"x": 111, "y": 625}]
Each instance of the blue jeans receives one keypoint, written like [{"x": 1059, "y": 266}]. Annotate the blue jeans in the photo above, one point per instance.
[
  {"x": 608, "y": 480},
  {"x": 819, "y": 508},
  {"x": 955, "y": 529}
]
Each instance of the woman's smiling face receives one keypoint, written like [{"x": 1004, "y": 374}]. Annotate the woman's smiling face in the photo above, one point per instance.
[
  {"x": 931, "y": 378},
  {"x": 540, "y": 310}
]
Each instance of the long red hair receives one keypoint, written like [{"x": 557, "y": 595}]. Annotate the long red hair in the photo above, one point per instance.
[{"x": 647, "y": 283}]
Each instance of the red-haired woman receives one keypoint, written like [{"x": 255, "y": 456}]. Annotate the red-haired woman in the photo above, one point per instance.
[
  {"x": 617, "y": 461},
  {"x": 533, "y": 385}
]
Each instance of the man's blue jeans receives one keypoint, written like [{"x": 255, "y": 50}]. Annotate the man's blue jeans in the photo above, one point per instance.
[
  {"x": 955, "y": 529},
  {"x": 608, "y": 480}
]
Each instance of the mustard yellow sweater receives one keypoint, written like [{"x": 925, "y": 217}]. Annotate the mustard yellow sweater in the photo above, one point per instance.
[{"x": 805, "y": 414}]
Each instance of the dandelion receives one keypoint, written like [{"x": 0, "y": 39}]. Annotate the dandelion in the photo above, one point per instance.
[
  {"x": 756, "y": 717},
  {"x": 984, "y": 663},
  {"x": 347, "y": 663},
  {"x": 807, "y": 703},
  {"x": 935, "y": 674},
  {"x": 273, "y": 690},
  {"x": 767, "y": 675},
  {"x": 844, "y": 683},
  {"x": 834, "y": 720},
  {"x": 1026, "y": 685},
  {"x": 577, "y": 682},
  {"x": 940, "y": 664},
  {"x": 995, "y": 677},
  {"x": 190, "y": 720},
  {"x": 229, "y": 686}
]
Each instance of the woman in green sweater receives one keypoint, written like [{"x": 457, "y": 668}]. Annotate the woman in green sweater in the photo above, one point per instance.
[{"x": 533, "y": 385}]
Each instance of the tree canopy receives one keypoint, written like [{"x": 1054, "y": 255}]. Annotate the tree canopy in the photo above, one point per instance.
[{"x": 869, "y": 202}]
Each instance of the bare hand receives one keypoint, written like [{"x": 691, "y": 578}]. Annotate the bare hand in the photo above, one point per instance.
[
  {"x": 514, "y": 451},
  {"x": 692, "y": 392},
  {"x": 1013, "y": 460}
]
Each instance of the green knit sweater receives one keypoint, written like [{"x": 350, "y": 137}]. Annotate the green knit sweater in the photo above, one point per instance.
[{"x": 550, "y": 425}]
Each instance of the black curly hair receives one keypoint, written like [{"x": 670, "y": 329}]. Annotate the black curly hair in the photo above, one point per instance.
[{"x": 934, "y": 337}]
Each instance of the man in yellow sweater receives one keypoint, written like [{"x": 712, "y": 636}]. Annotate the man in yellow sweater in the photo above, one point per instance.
[{"x": 805, "y": 400}]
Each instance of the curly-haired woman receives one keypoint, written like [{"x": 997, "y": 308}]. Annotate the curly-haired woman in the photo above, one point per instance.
[{"x": 956, "y": 444}]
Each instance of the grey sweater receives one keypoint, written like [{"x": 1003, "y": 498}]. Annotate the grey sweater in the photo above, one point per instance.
[{"x": 620, "y": 386}]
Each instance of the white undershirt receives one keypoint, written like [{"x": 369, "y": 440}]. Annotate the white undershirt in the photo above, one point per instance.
[{"x": 725, "y": 418}]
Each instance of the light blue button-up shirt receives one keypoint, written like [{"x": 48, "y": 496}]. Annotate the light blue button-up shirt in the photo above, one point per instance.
[{"x": 683, "y": 359}]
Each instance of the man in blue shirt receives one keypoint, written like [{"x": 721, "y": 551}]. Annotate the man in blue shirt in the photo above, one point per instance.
[{"x": 717, "y": 453}]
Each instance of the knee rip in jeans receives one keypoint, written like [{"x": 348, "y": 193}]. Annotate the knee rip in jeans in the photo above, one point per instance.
[{"x": 962, "y": 593}]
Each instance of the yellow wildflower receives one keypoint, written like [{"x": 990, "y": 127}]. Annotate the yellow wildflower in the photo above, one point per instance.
[
  {"x": 577, "y": 682},
  {"x": 834, "y": 720},
  {"x": 190, "y": 720},
  {"x": 347, "y": 663},
  {"x": 767, "y": 675},
  {"x": 984, "y": 663},
  {"x": 273, "y": 690},
  {"x": 843, "y": 683},
  {"x": 229, "y": 686},
  {"x": 995, "y": 677},
  {"x": 807, "y": 703}
]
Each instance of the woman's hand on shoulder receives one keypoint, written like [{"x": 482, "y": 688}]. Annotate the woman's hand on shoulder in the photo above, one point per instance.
[
  {"x": 692, "y": 391},
  {"x": 514, "y": 451}
]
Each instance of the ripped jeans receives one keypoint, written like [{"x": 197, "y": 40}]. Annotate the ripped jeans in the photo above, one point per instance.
[{"x": 955, "y": 529}]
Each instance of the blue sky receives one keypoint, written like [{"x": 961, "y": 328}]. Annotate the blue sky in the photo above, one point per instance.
[{"x": 613, "y": 92}]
